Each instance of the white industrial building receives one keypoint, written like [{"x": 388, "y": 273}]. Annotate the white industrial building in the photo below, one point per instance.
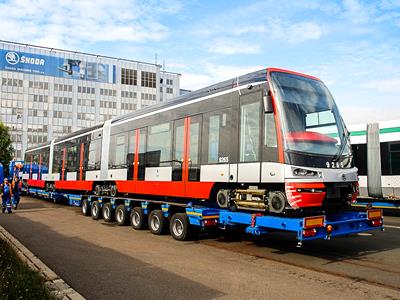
[{"x": 46, "y": 93}]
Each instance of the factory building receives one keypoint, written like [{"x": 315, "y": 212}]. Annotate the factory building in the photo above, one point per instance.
[{"x": 46, "y": 93}]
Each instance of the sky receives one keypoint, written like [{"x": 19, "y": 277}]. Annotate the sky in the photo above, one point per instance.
[{"x": 352, "y": 45}]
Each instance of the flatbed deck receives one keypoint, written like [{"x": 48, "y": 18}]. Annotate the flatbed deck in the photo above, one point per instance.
[{"x": 322, "y": 226}]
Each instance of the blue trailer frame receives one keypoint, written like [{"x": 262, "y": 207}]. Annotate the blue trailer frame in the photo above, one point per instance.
[
  {"x": 324, "y": 226},
  {"x": 389, "y": 204}
]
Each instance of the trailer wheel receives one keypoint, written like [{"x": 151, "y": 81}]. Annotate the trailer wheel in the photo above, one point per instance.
[
  {"x": 180, "y": 227},
  {"x": 108, "y": 213},
  {"x": 85, "y": 207},
  {"x": 157, "y": 222},
  {"x": 96, "y": 210},
  {"x": 121, "y": 215},
  {"x": 138, "y": 218}
]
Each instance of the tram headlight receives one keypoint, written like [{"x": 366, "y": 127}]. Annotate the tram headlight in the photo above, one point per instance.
[{"x": 304, "y": 172}]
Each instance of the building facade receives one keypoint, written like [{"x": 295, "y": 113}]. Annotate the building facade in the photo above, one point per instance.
[{"x": 47, "y": 93}]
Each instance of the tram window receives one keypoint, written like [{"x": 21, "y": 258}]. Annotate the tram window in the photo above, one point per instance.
[
  {"x": 72, "y": 164},
  {"x": 194, "y": 148},
  {"x": 213, "y": 139},
  {"x": 250, "y": 131},
  {"x": 142, "y": 153},
  {"x": 216, "y": 137},
  {"x": 270, "y": 131},
  {"x": 179, "y": 132},
  {"x": 159, "y": 146},
  {"x": 270, "y": 144},
  {"x": 131, "y": 153},
  {"x": 395, "y": 158},
  {"x": 118, "y": 151},
  {"x": 57, "y": 158},
  {"x": 94, "y": 155},
  {"x": 45, "y": 161},
  {"x": 360, "y": 158},
  {"x": 385, "y": 159}
]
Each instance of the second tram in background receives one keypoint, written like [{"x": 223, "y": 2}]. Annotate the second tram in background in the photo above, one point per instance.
[
  {"x": 376, "y": 150},
  {"x": 256, "y": 142}
]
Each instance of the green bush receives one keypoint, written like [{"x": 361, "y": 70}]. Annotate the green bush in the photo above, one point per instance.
[{"x": 17, "y": 280}]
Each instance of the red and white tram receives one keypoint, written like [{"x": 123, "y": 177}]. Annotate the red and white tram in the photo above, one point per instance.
[{"x": 272, "y": 140}]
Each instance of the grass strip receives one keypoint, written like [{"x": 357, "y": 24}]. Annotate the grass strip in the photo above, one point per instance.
[{"x": 17, "y": 280}]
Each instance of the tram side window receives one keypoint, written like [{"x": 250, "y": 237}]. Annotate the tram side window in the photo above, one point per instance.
[
  {"x": 216, "y": 137},
  {"x": 395, "y": 158},
  {"x": 72, "y": 161},
  {"x": 194, "y": 148},
  {"x": 45, "y": 161},
  {"x": 57, "y": 158},
  {"x": 385, "y": 158},
  {"x": 270, "y": 141},
  {"x": 131, "y": 153},
  {"x": 94, "y": 155},
  {"x": 360, "y": 158},
  {"x": 159, "y": 145},
  {"x": 35, "y": 165},
  {"x": 118, "y": 151},
  {"x": 250, "y": 131}
]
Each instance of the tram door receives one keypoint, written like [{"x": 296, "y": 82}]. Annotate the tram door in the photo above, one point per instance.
[
  {"x": 194, "y": 148},
  {"x": 186, "y": 153},
  {"x": 179, "y": 157}
]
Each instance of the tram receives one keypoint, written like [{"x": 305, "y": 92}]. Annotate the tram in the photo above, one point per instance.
[{"x": 257, "y": 142}]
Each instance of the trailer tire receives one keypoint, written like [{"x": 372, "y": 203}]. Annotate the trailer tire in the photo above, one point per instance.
[
  {"x": 85, "y": 207},
  {"x": 180, "y": 227},
  {"x": 157, "y": 222},
  {"x": 95, "y": 210},
  {"x": 108, "y": 212},
  {"x": 121, "y": 215},
  {"x": 138, "y": 218}
]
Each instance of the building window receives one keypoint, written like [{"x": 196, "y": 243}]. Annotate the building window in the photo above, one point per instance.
[
  {"x": 148, "y": 79},
  {"x": 128, "y": 76}
]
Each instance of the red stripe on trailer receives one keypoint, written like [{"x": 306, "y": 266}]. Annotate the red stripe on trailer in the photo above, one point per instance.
[
  {"x": 194, "y": 189},
  {"x": 36, "y": 183},
  {"x": 80, "y": 185}
]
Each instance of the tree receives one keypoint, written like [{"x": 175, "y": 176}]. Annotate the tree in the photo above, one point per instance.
[{"x": 6, "y": 149}]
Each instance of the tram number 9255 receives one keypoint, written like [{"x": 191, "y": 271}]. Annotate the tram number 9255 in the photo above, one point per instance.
[{"x": 223, "y": 159}]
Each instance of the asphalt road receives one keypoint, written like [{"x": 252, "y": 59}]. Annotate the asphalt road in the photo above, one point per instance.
[{"x": 102, "y": 261}]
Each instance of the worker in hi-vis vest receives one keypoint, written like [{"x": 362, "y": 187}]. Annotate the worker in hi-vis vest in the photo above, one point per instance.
[{"x": 6, "y": 195}]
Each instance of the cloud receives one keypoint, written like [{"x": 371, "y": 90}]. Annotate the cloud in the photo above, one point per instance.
[
  {"x": 230, "y": 47},
  {"x": 355, "y": 11},
  {"x": 213, "y": 73},
  {"x": 304, "y": 31},
  {"x": 66, "y": 23},
  {"x": 358, "y": 114},
  {"x": 387, "y": 85}
]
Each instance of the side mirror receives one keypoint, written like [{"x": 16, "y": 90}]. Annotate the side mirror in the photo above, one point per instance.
[{"x": 268, "y": 107}]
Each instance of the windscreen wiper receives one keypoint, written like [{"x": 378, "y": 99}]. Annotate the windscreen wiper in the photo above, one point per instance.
[{"x": 337, "y": 156}]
